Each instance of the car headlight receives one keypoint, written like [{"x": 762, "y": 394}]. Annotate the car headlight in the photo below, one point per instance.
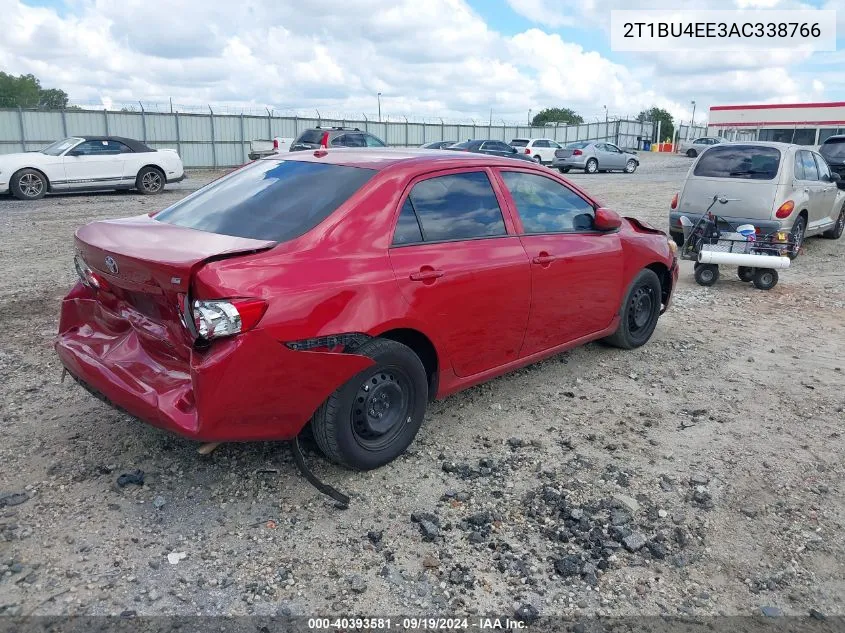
[{"x": 673, "y": 246}]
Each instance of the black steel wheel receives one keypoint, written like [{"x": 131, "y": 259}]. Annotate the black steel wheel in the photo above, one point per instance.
[
  {"x": 706, "y": 274},
  {"x": 639, "y": 313},
  {"x": 745, "y": 273},
  {"x": 375, "y": 415},
  {"x": 765, "y": 278}
]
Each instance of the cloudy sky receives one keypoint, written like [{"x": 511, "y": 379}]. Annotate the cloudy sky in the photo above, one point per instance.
[{"x": 450, "y": 58}]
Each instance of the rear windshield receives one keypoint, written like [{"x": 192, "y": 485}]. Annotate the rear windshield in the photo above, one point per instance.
[
  {"x": 310, "y": 136},
  {"x": 834, "y": 150},
  {"x": 519, "y": 142},
  {"x": 268, "y": 200},
  {"x": 751, "y": 162},
  {"x": 578, "y": 145}
]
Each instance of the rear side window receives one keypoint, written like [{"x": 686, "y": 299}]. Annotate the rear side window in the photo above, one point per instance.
[
  {"x": 752, "y": 162},
  {"x": 407, "y": 228},
  {"x": 457, "y": 207},
  {"x": 268, "y": 200},
  {"x": 546, "y": 206},
  {"x": 310, "y": 136},
  {"x": 808, "y": 166},
  {"x": 372, "y": 141}
]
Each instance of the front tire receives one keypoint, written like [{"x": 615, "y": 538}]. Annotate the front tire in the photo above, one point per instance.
[
  {"x": 150, "y": 181},
  {"x": 745, "y": 273},
  {"x": 706, "y": 274},
  {"x": 631, "y": 166},
  {"x": 592, "y": 166},
  {"x": 836, "y": 232},
  {"x": 765, "y": 278},
  {"x": 538, "y": 159},
  {"x": 639, "y": 312},
  {"x": 374, "y": 417},
  {"x": 28, "y": 184}
]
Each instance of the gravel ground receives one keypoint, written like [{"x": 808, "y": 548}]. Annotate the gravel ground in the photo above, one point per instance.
[{"x": 701, "y": 474}]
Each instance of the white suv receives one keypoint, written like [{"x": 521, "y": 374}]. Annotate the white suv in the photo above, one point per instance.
[{"x": 542, "y": 150}]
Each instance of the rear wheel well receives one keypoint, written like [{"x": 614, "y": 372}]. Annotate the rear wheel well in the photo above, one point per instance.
[
  {"x": 665, "y": 278},
  {"x": 422, "y": 346},
  {"x": 152, "y": 166}
]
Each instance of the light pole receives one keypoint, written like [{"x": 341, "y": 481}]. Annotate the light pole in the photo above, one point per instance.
[
  {"x": 692, "y": 123},
  {"x": 529, "y": 116},
  {"x": 379, "y": 107},
  {"x": 605, "y": 118}
]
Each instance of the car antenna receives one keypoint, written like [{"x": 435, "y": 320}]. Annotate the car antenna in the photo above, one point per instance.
[{"x": 326, "y": 489}]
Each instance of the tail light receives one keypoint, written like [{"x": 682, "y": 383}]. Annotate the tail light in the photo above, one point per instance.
[
  {"x": 88, "y": 277},
  {"x": 785, "y": 210},
  {"x": 275, "y": 143},
  {"x": 324, "y": 140},
  {"x": 674, "y": 204},
  {"x": 527, "y": 150},
  {"x": 216, "y": 318},
  {"x": 577, "y": 152}
]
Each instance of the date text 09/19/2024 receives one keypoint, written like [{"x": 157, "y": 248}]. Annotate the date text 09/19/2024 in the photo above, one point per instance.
[{"x": 414, "y": 624}]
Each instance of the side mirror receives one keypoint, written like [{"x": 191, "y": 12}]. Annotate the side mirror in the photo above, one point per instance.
[
  {"x": 606, "y": 220},
  {"x": 834, "y": 177},
  {"x": 513, "y": 150}
]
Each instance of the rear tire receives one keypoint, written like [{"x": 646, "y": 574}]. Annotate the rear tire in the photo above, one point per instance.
[
  {"x": 563, "y": 170},
  {"x": 745, "y": 273},
  {"x": 150, "y": 181},
  {"x": 836, "y": 232},
  {"x": 765, "y": 278},
  {"x": 796, "y": 235},
  {"x": 639, "y": 312},
  {"x": 706, "y": 274},
  {"x": 592, "y": 166},
  {"x": 28, "y": 184},
  {"x": 374, "y": 417},
  {"x": 692, "y": 153},
  {"x": 538, "y": 159}
]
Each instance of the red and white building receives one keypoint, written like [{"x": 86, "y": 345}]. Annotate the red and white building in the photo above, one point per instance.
[{"x": 801, "y": 123}]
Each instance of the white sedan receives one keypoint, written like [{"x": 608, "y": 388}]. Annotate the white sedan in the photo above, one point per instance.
[{"x": 89, "y": 163}]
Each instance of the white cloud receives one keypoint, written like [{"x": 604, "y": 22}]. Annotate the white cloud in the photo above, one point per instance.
[{"x": 426, "y": 57}]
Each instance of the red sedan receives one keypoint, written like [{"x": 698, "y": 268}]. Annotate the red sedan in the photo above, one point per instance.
[{"x": 348, "y": 288}]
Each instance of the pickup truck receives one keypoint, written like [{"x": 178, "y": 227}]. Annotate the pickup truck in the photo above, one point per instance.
[{"x": 261, "y": 148}]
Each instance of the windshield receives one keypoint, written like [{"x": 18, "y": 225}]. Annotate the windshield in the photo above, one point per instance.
[
  {"x": 59, "y": 147},
  {"x": 834, "y": 151},
  {"x": 519, "y": 142},
  {"x": 752, "y": 162},
  {"x": 268, "y": 200}
]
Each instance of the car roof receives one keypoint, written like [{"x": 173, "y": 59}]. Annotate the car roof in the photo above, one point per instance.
[
  {"x": 131, "y": 143},
  {"x": 776, "y": 145},
  {"x": 835, "y": 137},
  {"x": 382, "y": 158}
]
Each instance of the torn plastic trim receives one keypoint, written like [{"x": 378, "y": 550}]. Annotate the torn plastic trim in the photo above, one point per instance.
[
  {"x": 326, "y": 489},
  {"x": 349, "y": 342}
]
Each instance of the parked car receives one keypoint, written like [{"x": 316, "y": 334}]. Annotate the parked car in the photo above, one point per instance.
[
  {"x": 595, "y": 156},
  {"x": 261, "y": 148},
  {"x": 86, "y": 163},
  {"x": 254, "y": 305},
  {"x": 438, "y": 144},
  {"x": 773, "y": 186},
  {"x": 833, "y": 151},
  {"x": 489, "y": 147},
  {"x": 696, "y": 146},
  {"x": 542, "y": 150},
  {"x": 319, "y": 137}
]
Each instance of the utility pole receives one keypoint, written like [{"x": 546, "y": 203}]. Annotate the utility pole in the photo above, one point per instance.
[
  {"x": 529, "y": 116},
  {"x": 692, "y": 123},
  {"x": 379, "y": 107}
]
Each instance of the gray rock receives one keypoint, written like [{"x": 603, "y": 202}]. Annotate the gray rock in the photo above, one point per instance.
[
  {"x": 527, "y": 613},
  {"x": 13, "y": 498},
  {"x": 634, "y": 542},
  {"x": 619, "y": 517},
  {"x": 629, "y": 503},
  {"x": 568, "y": 565},
  {"x": 576, "y": 513},
  {"x": 699, "y": 479},
  {"x": 357, "y": 584},
  {"x": 159, "y": 502},
  {"x": 429, "y": 530},
  {"x": 771, "y": 612}
]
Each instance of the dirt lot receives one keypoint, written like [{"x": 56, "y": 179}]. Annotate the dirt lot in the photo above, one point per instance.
[{"x": 701, "y": 474}]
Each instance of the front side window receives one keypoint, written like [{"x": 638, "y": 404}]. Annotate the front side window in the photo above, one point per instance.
[
  {"x": 274, "y": 200},
  {"x": 97, "y": 148},
  {"x": 612, "y": 148},
  {"x": 59, "y": 147},
  {"x": 753, "y": 162},
  {"x": 824, "y": 169},
  {"x": 457, "y": 207},
  {"x": 546, "y": 206}
]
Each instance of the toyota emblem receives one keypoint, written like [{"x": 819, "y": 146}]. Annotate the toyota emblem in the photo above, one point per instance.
[{"x": 111, "y": 265}]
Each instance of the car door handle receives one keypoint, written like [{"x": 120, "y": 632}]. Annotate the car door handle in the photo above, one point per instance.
[
  {"x": 427, "y": 275},
  {"x": 543, "y": 259}
]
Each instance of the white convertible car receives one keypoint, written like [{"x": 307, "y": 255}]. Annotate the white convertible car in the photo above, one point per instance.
[{"x": 89, "y": 163}]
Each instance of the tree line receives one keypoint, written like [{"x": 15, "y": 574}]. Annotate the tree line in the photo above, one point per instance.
[
  {"x": 567, "y": 116},
  {"x": 25, "y": 91}
]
